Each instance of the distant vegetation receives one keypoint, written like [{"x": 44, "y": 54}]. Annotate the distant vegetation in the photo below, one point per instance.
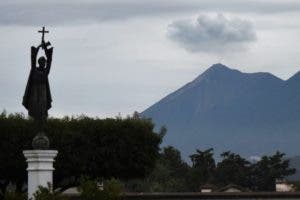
[
  {"x": 128, "y": 149},
  {"x": 172, "y": 174}
]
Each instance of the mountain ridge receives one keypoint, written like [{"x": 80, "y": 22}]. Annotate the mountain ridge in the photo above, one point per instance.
[{"x": 224, "y": 105}]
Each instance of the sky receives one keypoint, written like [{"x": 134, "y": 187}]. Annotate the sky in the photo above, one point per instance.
[{"x": 115, "y": 57}]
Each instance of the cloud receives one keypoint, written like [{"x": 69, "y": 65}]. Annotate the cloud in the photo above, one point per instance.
[
  {"x": 80, "y": 12},
  {"x": 254, "y": 158},
  {"x": 212, "y": 34},
  {"x": 57, "y": 12}
]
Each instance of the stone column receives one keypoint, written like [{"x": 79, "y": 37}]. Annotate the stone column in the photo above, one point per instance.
[{"x": 40, "y": 169}]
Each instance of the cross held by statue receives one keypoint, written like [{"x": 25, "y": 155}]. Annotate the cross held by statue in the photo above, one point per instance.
[{"x": 43, "y": 31}]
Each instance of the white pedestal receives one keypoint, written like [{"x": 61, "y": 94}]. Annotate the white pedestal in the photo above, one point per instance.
[{"x": 40, "y": 169}]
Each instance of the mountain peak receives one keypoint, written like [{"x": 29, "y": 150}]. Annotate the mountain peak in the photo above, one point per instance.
[
  {"x": 217, "y": 71},
  {"x": 219, "y": 66}
]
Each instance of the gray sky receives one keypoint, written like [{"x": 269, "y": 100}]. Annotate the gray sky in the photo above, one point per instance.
[{"x": 118, "y": 56}]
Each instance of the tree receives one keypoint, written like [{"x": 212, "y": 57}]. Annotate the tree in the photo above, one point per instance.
[
  {"x": 171, "y": 157},
  {"x": 14, "y": 134},
  {"x": 169, "y": 174},
  {"x": 203, "y": 168},
  {"x": 178, "y": 170},
  {"x": 121, "y": 148},
  {"x": 233, "y": 169},
  {"x": 268, "y": 169},
  {"x": 172, "y": 174}
]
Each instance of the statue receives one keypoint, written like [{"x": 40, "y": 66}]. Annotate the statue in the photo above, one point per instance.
[{"x": 37, "y": 98}]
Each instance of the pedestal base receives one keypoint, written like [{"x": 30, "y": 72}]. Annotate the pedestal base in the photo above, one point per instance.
[{"x": 40, "y": 169}]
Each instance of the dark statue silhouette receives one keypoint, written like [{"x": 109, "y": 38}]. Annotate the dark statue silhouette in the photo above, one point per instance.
[{"x": 37, "y": 98}]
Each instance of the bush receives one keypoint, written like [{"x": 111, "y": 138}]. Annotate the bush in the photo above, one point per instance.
[
  {"x": 45, "y": 193},
  {"x": 123, "y": 148},
  {"x": 14, "y": 196},
  {"x": 90, "y": 190}
]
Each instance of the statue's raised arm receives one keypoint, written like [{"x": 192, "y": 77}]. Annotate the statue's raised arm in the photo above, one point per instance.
[
  {"x": 34, "y": 53},
  {"x": 48, "y": 53}
]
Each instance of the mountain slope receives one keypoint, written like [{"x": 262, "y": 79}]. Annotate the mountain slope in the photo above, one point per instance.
[{"x": 248, "y": 113}]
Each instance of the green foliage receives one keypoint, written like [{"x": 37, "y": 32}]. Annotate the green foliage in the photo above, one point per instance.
[
  {"x": 203, "y": 169},
  {"x": 203, "y": 159},
  {"x": 172, "y": 174},
  {"x": 127, "y": 149},
  {"x": 123, "y": 148},
  {"x": 15, "y": 132},
  {"x": 14, "y": 196},
  {"x": 113, "y": 188},
  {"x": 169, "y": 174},
  {"x": 296, "y": 185},
  {"x": 233, "y": 169},
  {"x": 268, "y": 169},
  {"x": 45, "y": 193},
  {"x": 90, "y": 190}
]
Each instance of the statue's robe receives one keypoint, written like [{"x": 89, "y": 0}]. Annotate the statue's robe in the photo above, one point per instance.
[{"x": 37, "y": 98}]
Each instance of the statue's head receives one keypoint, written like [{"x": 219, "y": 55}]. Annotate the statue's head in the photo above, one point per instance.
[{"x": 42, "y": 62}]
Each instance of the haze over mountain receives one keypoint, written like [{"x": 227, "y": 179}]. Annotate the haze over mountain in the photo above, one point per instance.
[{"x": 247, "y": 113}]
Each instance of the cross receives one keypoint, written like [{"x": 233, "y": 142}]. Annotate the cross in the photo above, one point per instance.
[{"x": 43, "y": 33}]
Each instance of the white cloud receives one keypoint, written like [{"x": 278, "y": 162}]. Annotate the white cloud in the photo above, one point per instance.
[
  {"x": 212, "y": 34},
  {"x": 254, "y": 158}
]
